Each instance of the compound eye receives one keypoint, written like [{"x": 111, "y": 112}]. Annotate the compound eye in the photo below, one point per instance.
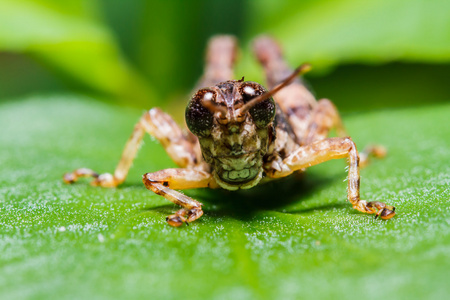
[
  {"x": 263, "y": 112},
  {"x": 249, "y": 91},
  {"x": 207, "y": 96},
  {"x": 199, "y": 119}
]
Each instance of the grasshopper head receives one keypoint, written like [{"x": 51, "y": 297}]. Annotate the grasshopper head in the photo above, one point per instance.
[
  {"x": 234, "y": 137},
  {"x": 234, "y": 123}
]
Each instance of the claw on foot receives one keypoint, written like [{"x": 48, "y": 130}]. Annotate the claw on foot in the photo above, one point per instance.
[
  {"x": 386, "y": 213},
  {"x": 194, "y": 214},
  {"x": 69, "y": 178},
  {"x": 381, "y": 210},
  {"x": 78, "y": 173},
  {"x": 177, "y": 219},
  {"x": 104, "y": 180}
]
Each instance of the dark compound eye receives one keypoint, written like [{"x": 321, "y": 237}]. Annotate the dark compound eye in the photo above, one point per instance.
[
  {"x": 199, "y": 119},
  {"x": 263, "y": 112}
]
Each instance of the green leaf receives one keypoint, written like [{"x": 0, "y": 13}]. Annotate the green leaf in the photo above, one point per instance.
[
  {"x": 70, "y": 37},
  {"x": 290, "y": 239},
  {"x": 326, "y": 33}
]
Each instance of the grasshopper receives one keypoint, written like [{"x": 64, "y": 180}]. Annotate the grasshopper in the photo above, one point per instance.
[{"x": 241, "y": 134}]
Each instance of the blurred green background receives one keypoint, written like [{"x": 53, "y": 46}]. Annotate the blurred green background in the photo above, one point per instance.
[
  {"x": 75, "y": 76},
  {"x": 365, "y": 54}
]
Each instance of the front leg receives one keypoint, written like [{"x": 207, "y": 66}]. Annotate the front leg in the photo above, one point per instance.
[
  {"x": 183, "y": 150},
  {"x": 165, "y": 181},
  {"x": 324, "y": 150}
]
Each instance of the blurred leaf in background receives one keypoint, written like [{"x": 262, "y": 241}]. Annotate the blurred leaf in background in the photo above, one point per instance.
[
  {"x": 367, "y": 54},
  {"x": 346, "y": 31},
  {"x": 70, "y": 38},
  {"x": 148, "y": 52},
  {"x": 172, "y": 36}
]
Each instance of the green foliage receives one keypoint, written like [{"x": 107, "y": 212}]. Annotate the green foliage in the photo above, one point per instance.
[
  {"x": 131, "y": 50},
  {"x": 290, "y": 239},
  {"x": 69, "y": 36},
  {"x": 287, "y": 240},
  {"x": 335, "y": 32}
]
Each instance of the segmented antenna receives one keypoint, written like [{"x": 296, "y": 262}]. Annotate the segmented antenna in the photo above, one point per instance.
[
  {"x": 299, "y": 71},
  {"x": 212, "y": 107}
]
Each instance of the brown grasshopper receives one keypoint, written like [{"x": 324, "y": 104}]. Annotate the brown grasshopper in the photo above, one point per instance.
[{"x": 239, "y": 135}]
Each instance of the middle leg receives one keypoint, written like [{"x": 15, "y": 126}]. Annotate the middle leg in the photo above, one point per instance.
[
  {"x": 334, "y": 148},
  {"x": 324, "y": 118}
]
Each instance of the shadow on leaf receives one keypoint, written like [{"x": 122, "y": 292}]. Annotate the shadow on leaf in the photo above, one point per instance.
[{"x": 244, "y": 204}]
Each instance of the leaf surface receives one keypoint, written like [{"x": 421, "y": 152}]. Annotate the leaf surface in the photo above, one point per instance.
[{"x": 288, "y": 239}]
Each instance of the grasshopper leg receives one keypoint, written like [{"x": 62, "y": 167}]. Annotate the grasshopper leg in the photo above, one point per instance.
[
  {"x": 165, "y": 182},
  {"x": 295, "y": 100},
  {"x": 182, "y": 148},
  {"x": 327, "y": 149},
  {"x": 325, "y": 117},
  {"x": 220, "y": 58}
]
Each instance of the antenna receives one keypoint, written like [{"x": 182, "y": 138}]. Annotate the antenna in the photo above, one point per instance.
[
  {"x": 299, "y": 71},
  {"x": 212, "y": 107}
]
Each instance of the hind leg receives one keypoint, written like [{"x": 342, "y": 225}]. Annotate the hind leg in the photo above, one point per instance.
[
  {"x": 219, "y": 62},
  {"x": 295, "y": 100}
]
